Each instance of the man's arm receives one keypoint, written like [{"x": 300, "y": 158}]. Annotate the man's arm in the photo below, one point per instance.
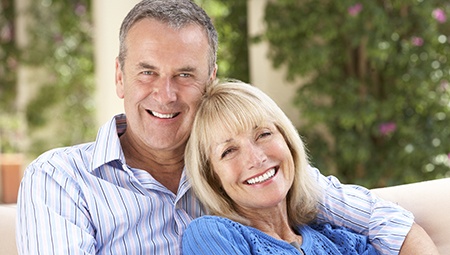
[
  {"x": 49, "y": 217},
  {"x": 357, "y": 208}
]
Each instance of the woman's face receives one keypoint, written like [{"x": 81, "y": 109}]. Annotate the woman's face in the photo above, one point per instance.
[{"x": 255, "y": 167}]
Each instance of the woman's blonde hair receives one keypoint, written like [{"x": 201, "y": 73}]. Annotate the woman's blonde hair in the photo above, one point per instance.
[{"x": 233, "y": 106}]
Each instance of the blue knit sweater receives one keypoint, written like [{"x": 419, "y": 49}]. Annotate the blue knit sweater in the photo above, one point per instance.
[{"x": 217, "y": 235}]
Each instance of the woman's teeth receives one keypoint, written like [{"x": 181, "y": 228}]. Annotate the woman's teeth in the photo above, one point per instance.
[{"x": 269, "y": 174}]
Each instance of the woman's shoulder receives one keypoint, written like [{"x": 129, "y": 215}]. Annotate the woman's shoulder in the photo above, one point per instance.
[
  {"x": 212, "y": 233},
  {"x": 215, "y": 222}
]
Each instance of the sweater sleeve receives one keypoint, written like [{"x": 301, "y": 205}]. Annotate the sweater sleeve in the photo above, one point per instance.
[
  {"x": 343, "y": 240},
  {"x": 358, "y": 209},
  {"x": 209, "y": 235}
]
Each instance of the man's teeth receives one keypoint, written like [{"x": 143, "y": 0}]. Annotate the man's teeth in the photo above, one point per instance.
[
  {"x": 163, "y": 116},
  {"x": 262, "y": 178}
]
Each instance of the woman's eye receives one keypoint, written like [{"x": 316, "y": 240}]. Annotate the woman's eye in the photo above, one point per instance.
[
  {"x": 226, "y": 153},
  {"x": 264, "y": 134}
]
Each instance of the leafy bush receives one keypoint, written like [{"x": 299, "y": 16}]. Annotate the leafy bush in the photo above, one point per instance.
[
  {"x": 8, "y": 77},
  {"x": 230, "y": 19},
  {"x": 60, "y": 44},
  {"x": 377, "y": 94}
]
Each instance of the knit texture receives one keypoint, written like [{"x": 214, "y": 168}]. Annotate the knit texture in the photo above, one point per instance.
[{"x": 217, "y": 235}]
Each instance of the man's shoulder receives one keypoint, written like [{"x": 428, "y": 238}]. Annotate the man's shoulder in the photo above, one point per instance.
[
  {"x": 65, "y": 157},
  {"x": 73, "y": 151}
]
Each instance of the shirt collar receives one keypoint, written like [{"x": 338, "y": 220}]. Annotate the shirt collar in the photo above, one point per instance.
[{"x": 107, "y": 147}]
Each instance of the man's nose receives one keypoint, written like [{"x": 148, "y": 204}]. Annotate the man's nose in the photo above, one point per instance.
[{"x": 164, "y": 91}]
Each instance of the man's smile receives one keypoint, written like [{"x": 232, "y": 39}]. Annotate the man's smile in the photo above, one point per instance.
[{"x": 163, "y": 115}]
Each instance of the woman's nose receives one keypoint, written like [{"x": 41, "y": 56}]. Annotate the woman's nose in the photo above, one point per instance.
[{"x": 256, "y": 156}]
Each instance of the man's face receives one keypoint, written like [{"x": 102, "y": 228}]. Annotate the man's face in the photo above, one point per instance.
[{"x": 163, "y": 78}]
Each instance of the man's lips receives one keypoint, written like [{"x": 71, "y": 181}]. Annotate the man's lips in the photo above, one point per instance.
[
  {"x": 163, "y": 115},
  {"x": 263, "y": 177}
]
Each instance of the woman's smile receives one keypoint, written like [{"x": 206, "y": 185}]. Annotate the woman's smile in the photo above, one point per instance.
[{"x": 263, "y": 177}]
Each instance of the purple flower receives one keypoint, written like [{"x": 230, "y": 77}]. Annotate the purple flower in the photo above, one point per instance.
[
  {"x": 417, "y": 41},
  {"x": 439, "y": 15},
  {"x": 444, "y": 86},
  {"x": 58, "y": 38},
  {"x": 12, "y": 63},
  {"x": 355, "y": 9},
  {"x": 80, "y": 9},
  {"x": 6, "y": 33},
  {"x": 387, "y": 127}
]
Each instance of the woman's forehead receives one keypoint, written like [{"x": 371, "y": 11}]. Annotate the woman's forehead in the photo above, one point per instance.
[{"x": 225, "y": 131}]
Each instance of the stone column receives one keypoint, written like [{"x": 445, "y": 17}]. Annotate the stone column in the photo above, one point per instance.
[
  {"x": 262, "y": 73},
  {"x": 107, "y": 17}
]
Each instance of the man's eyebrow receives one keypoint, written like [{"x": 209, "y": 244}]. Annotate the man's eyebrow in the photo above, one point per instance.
[
  {"x": 187, "y": 69},
  {"x": 144, "y": 65}
]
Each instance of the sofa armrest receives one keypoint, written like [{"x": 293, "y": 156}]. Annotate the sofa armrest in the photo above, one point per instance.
[
  {"x": 429, "y": 201},
  {"x": 8, "y": 229}
]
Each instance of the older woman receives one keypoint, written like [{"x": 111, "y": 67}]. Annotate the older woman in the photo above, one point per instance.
[{"x": 248, "y": 165}]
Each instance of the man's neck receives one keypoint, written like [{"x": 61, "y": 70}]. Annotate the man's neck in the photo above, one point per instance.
[{"x": 165, "y": 166}]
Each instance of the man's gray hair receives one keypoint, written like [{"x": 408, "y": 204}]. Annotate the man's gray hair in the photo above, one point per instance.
[{"x": 175, "y": 13}]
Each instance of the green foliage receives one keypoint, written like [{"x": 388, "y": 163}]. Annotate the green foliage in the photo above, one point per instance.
[
  {"x": 377, "y": 82},
  {"x": 61, "y": 44},
  {"x": 8, "y": 77},
  {"x": 8, "y": 55},
  {"x": 230, "y": 19}
]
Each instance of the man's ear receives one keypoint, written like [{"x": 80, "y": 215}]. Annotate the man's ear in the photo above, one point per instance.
[
  {"x": 214, "y": 74},
  {"x": 120, "y": 90}
]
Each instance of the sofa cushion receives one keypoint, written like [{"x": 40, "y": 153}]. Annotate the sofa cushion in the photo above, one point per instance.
[{"x": 430, "y": 203}]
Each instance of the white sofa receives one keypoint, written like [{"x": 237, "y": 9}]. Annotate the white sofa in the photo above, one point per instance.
[
  {"x": 429, "y": 201},
  {"x": 7, "y": 229}
]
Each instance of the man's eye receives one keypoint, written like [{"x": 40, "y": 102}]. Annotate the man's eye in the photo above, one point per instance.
[
  {"x": 147, "y": 72},
  {"x": 185, "y": 75}
]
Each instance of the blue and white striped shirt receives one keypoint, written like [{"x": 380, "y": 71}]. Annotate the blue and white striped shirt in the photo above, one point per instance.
[{"x": 84, "y": 199}]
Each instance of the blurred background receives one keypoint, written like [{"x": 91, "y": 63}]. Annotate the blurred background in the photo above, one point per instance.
[{"x": 365, "y": 82}]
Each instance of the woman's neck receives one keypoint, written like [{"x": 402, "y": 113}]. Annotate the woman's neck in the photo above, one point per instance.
[{"x": 274, "y": 222}]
